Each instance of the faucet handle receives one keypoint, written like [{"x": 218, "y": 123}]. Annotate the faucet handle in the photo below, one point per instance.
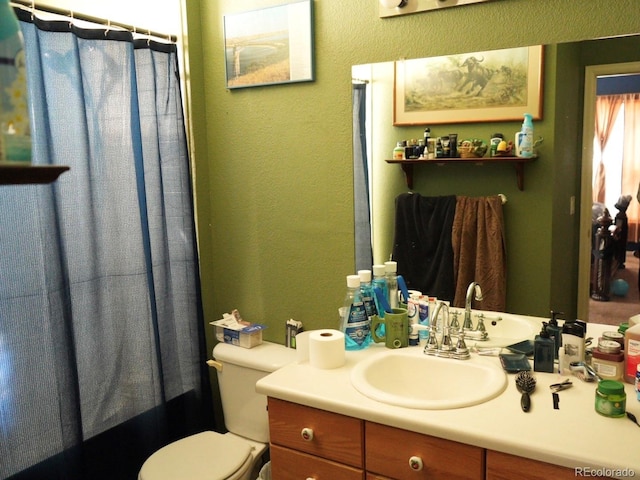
[{"x": 461, "y": 352}]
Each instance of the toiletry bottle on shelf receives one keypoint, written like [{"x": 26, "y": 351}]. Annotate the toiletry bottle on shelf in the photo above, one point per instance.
[
  {"x": 398, "y": 152},
  {"x": 638, "y": 382},
  {"x": 356, "y": 326},
  {"x": 15, "y": 144},
  {"x": 391, "y": 273},
  {"x": 524, "y": 138},
  {"x": 631, "y": 353},
  {"x": 555, "y": 332},
  {"x": 543, "y": 348},
  {"x": 366, "y": 290}
]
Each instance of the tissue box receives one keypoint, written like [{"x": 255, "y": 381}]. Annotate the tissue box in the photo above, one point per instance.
[{"x": 240, "y": 334}]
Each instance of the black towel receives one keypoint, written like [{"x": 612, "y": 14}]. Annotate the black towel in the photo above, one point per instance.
[{"x": 422, "y": 243}]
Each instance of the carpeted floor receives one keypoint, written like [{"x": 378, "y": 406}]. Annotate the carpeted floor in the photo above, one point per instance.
[{"x": 619, "y": 309}]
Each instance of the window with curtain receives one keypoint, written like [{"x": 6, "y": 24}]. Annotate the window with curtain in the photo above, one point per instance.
[
  {"x": 616, "y": 161},
  {"x": 101, "y": 327}
]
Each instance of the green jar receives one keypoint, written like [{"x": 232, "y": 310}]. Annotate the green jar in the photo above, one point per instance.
[{"x": 611, "y": 401}]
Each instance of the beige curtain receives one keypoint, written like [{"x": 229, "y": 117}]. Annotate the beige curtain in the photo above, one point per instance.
[
  {"x": 631, "y": 162},
  {"x": 479, "y": 251},
  {"x": 607, "y": 108}
]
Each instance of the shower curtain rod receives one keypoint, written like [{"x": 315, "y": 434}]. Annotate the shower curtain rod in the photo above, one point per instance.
[{"x": 33, "y": 6}]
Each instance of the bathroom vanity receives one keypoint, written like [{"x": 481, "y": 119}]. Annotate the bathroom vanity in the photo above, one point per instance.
[{"x": 322, "y": 427}]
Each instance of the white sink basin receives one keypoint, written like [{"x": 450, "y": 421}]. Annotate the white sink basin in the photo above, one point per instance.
[
  {"x": 508, "y": 328},
  {"x": 408, "y": 378}
]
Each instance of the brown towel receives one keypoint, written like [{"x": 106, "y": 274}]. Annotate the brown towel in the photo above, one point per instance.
[{"x": 479, "y": 251}]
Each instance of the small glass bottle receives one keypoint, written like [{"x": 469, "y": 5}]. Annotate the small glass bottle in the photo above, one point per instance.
[
  {"x": 391, "y": 273},
  {"x": 355, "y": 323}
]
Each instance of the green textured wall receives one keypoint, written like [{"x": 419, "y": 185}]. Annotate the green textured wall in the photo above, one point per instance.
[{"x": 273, "y": 164}]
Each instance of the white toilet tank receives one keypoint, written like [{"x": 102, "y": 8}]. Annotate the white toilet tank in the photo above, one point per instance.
[{"x": 245, "y": 411}]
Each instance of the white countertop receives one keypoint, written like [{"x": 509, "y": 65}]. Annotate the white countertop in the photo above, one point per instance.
[{"x": 572, "y": 436}]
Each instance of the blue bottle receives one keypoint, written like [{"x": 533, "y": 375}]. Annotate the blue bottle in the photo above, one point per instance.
[
  {"x": 15, "y": 132},
  {"x": 366, "y": 290},
  {"x": 355, "y": 323}
]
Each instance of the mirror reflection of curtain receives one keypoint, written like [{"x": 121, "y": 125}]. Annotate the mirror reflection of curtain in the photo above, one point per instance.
[
  {"x": 631, "y": 162},
  {"x": 361, "y": 198},
  {"x": 607, "y": 107},
  {"x": 101, "y": 325},
  {"x": 623, "y": 160}
]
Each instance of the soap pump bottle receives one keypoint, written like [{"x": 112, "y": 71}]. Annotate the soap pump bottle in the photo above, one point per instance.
[
  {"x": 555, "y": 332},
  {"x": 543, "y": 348}
]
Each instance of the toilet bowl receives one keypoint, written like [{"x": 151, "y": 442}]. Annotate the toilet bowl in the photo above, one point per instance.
[
  {"x": 235, "y": 455},
  {"x": 207, "y": 455}
]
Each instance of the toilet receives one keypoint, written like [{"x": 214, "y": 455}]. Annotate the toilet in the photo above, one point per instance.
[{"x": 237, "y": 454}]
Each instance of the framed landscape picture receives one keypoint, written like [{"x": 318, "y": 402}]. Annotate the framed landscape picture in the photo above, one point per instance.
[
  {"x": 492, "y": 86},
  {"x": 270, "y": 46}
]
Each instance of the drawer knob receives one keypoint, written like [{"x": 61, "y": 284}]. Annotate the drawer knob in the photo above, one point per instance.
[
  {"x": 307, "y": 434},
  {"x": 415, "y": 463}
]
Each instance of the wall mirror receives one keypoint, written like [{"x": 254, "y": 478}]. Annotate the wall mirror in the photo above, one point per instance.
[{"x": 387, "y": 181}]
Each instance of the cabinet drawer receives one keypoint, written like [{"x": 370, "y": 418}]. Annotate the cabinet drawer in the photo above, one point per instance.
[
  {"x": 388, "y": 451},
  {"x": 287, "y": 464},
  {"x": 318, "y": 432},
  {"x": 502, "y": 466}
]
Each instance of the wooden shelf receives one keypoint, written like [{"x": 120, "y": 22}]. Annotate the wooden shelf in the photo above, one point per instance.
[
  {"x": 518, "y": 163},
  {"x": 26, "y": 174}
]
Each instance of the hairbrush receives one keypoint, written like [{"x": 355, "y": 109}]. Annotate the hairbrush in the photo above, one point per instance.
[{"x": 525, "y": 383}]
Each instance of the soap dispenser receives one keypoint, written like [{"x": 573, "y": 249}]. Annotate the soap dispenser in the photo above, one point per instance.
[
  {"x": 543, "y": 348},
  {"x": 555, "y": 332}
]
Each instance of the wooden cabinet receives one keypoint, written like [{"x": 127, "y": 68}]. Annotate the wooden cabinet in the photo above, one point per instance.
[
  {"x": 308, "y": 443},
  {"x": 502, "y": 466},
  {"x": 404, "y": 455},
  {"x": 288, "y": 464},
  {"x": 311, "y": 443}
]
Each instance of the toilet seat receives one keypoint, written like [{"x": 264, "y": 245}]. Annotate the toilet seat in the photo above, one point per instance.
[{"x": 203, "y": 456}]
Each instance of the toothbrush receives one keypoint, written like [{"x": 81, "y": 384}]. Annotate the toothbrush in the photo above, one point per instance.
[
  {"x": 403, "y": 288},
  {"x": 382, "y": 300}
]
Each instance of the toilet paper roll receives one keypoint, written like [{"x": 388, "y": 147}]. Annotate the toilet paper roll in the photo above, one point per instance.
[
  {"x": 302, "y": 347},
  {"x": 326, "y": 349}
]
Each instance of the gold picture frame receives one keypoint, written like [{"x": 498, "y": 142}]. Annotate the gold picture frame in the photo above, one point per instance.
[{"x": 492, "y": 86}]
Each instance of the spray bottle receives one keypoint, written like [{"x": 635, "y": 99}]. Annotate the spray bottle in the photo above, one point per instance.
[{"x": 524, "y": 138}]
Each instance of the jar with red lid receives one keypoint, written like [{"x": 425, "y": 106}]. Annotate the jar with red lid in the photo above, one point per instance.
[{"x": 608, "y": 360}]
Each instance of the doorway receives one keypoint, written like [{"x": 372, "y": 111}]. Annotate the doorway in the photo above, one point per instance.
[{"x": 615, "y": 313}]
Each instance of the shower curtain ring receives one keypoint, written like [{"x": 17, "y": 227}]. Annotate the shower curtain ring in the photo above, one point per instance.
[{"x": 106, "y": 32}]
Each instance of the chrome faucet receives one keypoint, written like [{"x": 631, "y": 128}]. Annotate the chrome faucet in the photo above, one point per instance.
[
  {"x": 446, "y": 348},
  {"x": 472, "y": 290}
]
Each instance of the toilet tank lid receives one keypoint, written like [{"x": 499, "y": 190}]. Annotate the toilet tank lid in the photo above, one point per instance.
[{"x": 266, "y": 357}]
